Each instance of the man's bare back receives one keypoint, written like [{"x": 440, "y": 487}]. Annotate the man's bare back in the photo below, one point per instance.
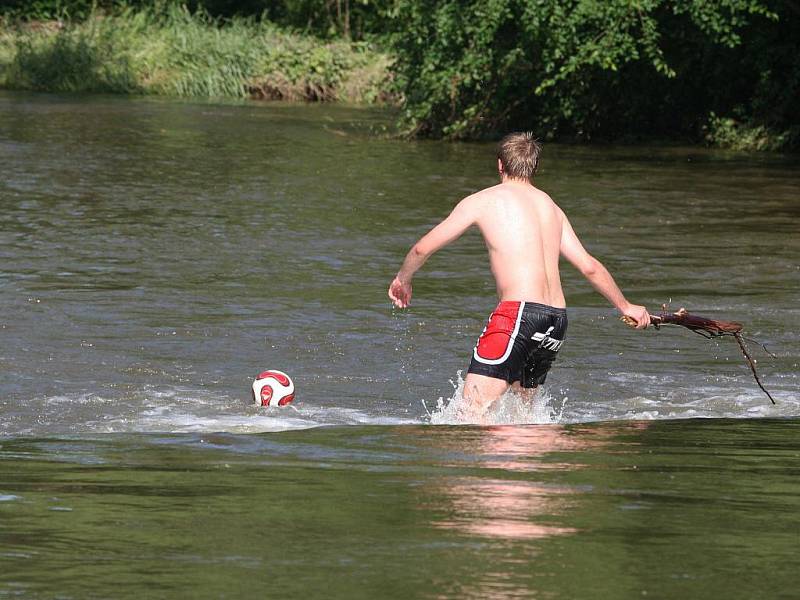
[
  {"x": 521, "y": 226},
  {"x": 525, "y": 233}
]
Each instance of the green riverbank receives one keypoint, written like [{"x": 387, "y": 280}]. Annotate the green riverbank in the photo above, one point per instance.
[
  {"x": 697, "y": 73},
  {"x": 177, "y": 53}
]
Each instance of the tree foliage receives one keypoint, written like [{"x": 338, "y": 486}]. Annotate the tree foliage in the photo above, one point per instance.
[
  {"x": 724, "y": 71},
  {"x": 583, "y": 68}
]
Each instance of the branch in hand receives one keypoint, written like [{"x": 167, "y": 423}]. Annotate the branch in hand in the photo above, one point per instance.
[{"x": 709, "y": 328}]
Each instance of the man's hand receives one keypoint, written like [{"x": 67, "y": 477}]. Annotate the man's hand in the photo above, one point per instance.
[
  {"x": 638, "y": 314},
  {"x": 400, "y": 293}
]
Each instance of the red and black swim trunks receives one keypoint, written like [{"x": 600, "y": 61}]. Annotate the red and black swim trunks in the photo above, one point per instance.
[{"x": 520, "y": 342}]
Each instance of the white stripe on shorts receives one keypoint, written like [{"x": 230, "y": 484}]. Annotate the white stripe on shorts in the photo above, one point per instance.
[{"x": 507, "y": 353}]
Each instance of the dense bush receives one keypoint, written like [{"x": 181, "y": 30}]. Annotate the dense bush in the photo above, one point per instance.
[{"x": 591, "y": 69}]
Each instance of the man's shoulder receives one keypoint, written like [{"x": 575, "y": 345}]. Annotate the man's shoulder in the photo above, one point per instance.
[
  {"x": 540, "y": 193},
  {"x": 487, "y": 194},
  {"x": 488, "y": 191},
  {"x": 486, "y": 197},
  {"x": 479, "y": 198},
  {"x": 505, "y": 191},
  {"x": 543, "y": 196}
]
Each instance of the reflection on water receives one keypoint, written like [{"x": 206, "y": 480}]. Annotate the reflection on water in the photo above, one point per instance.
[
  {"x": 681, "y": 509},
  {"x": 512, "y": 507},
  {"x": 504, "y": 509}
]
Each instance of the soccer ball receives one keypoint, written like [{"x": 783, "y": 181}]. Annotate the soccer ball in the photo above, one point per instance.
[{"x": 273, "y": 388}]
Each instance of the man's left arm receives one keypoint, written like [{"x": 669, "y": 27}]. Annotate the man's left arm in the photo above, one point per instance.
[{"x": 463, "y": 216}]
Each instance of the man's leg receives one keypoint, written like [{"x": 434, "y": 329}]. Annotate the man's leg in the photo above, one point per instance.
[
  {"x": 481, "y": 390},
  {"x": 527, "y": 394}
]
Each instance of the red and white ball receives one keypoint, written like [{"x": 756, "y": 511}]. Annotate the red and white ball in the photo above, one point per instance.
[{"x": 273, "y": 388}]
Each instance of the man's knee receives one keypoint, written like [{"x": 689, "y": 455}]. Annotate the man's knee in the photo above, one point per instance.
[{"x": 483, "y": 390}]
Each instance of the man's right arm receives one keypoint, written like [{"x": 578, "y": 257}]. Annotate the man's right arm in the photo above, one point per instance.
[
  {"x": 460, "y": 219},
  {"x": 598, "y": 275}
]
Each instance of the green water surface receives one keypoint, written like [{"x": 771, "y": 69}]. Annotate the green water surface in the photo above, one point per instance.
[
  {"x": 681, "y": 509},
  {"x": 155, "y": 256}
]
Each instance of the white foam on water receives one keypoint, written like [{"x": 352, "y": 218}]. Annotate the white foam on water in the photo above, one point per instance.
[
  {"x": 708, "y": 402},
  {"x": 180, "y": 409},
  {"x": 75, "y": 399},
  {"x": 509, "y": 409},
  {"x": 547, "y": 408},
  {"x": 187, "y": 409},
  {"x": 182, "y": 422},
  {"x": 259, "y": 420}
]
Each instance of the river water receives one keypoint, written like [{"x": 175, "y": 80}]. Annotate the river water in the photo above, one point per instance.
[{"x": 156, "y": 255}]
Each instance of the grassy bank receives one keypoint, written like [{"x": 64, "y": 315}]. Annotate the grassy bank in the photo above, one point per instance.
[
  {"x": 733, "y": 134},
  {"x": 174, "y": 53}
]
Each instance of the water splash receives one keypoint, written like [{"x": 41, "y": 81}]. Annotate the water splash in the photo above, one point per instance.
[{"x": 509, "y": 409}]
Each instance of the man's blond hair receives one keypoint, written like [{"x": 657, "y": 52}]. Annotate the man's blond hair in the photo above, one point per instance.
[{"x": 519, "y": 154}]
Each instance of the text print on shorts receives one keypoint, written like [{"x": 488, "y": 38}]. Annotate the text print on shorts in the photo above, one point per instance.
[{"x": 547, "y": 342}]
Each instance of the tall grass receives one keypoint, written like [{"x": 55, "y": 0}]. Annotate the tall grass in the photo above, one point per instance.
[
  {"x": 727, "y": 132},
  {"x": 177, "y": 53}
]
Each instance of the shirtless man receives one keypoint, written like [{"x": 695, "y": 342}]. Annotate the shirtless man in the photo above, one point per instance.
[{"x": 525, "y": 232}]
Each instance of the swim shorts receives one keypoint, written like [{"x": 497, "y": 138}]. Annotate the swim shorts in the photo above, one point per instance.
[{"x": 520, "y": 342}]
